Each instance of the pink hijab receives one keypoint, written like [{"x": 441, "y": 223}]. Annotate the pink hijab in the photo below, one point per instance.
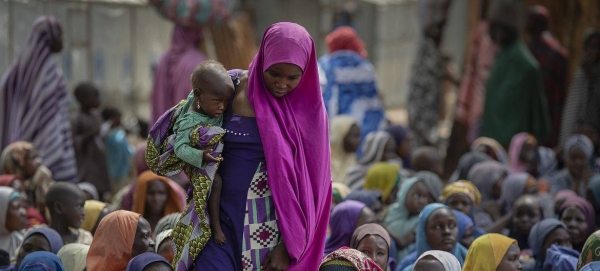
[
  {"x": 294, "y": 132},
  {"x": 514, "y": 151},
  {"x": 172, "y": 78}
]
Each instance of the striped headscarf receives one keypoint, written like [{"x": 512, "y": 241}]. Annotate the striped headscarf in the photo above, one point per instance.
[
  {"x": 33, "y": 98},
  {"x": 579, "y": 142}
]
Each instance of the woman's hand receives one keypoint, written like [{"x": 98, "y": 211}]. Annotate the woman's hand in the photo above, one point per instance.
[{"x": 278, "y": 259}]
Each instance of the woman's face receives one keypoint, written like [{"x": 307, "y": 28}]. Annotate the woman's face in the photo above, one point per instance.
[
  {"x": 34, "y": 243},
  {"x": 352, "y": 139},
  {"x": 375, "y": 248},
  {"x": 418, "y": 196},
  {"x": 16, "y": 215},
  {"x": 165, "y": 249},
  {"x": 577, "y": 162},
  {"x": 576, "y": 222},
  {"x": 559, "y": 237},
  {"x": 143, "y": 238},
  {"x": 511, "y": 261},
  {"x": 156, "y": 197},
  {"x": 460, "y": 202},
  {"x": 280, "y": 79},
  {"x": 441, "y": 230},
  {"x": 389, "y": 150},
  {"x": 527, "y": 213}
]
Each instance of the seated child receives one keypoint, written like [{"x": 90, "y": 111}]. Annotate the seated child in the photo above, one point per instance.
[
  {"x": 188, "y": 137},
  {"x": 65, "y": 203}
]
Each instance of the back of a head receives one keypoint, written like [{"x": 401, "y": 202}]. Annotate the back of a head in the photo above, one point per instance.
[
  {"x": 83, "y": 90},
  {"x": 207, "y": 71},
  {"x": 423, "y": 158},
  {"x": 111, "y": 113},
  {"x": 506, "y": 12},
  {"x": 61, "y": 191},
  {"x": 158, "y": 266}
]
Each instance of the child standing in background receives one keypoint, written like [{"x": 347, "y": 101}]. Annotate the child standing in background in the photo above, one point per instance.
[{"x": 118, "y": 150}]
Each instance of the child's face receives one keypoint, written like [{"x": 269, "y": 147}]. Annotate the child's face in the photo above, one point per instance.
[
  {"x": 575, "y": 220},
  {"x": 418, "y": 196},
  {"x": 441, "y": 230},
  {"x": 527, "y": 213},
  {"x": 72, "y": 210},
  {"x": 156, "y": 197},
  {"x": 143, "y": 238},
  {"x": 352, "y": 139},
  {"x": 559, "y": 237},
  {"x": 460, "y": 202},
  {"x": 16, "y": 215},
  {"x": 34, "y": 243},
  {"x": 280, "y": 79},
  {"x": 166, "y": 250},
  {"x": 214, "y": 103}
]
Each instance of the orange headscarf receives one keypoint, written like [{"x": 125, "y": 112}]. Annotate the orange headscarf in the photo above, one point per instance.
[
  {"x": 345, "y": 38},
  {"x": 113, "y": 242},
  {"x": 174, "y": 202}
]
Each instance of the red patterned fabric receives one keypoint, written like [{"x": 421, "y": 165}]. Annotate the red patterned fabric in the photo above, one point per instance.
[
  {"x": 357, "y": 258},
  {"x": 345, "y": 38}
]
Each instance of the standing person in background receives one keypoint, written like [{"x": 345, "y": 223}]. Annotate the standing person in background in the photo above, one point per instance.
[
  {"x": 425, "y": 87},
  {"x": 515, "y": 100},
  {"x": 33, "y": 101},
  {"x": 553, "y": 60},
  {"x": 118, "y": 149},
  {"x": 348, "y": 81},
  {"x": 344, "y": 140},
  {"x": 89, "y": 147},
  {"x": 171, "y": 80}
]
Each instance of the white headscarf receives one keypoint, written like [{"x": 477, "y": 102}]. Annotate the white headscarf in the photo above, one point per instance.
[
  {"x": 449, "y": 262},
  {"x": 73, "y": 256},
  {"x": 161, "y": 237},
  {"x": 9, "y": 241}
]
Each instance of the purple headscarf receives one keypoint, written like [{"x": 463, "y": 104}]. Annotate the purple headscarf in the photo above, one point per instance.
[
  {"x": 585, "y": 207},
  {"x": 342, "y": 224},
  {"x": 295, "y": 136},
  {"x": 484, "y": 175},
  {"x": 54, "y": 239},
  {"x": 172, "y": 78},
  {"x": 33, "y": 102},
  {"x": 139, "y": 262}
]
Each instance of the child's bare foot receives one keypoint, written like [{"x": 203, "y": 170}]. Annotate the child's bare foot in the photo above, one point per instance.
[{"x": 219, "y": 237}]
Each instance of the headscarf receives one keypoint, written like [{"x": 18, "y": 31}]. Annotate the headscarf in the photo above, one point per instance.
[
  {"x": 399, "y": 133},
  {"x": 342, "y": 224},
  {"x": 9, "y": 241},
  {"x": 369, "y": 229},
  {"x": 398, "y": 220},
  {"x": 547, "y": 162},
  {"x": 430, "y": 12},
  {"x": 466, "y": 162},
  {"x": 514, "y": 151},
  {"x": 559, "y": 258},
  {"x": 54, "y": 239},
  {"x": 8, "y": 179},
  {"x": 139, "y": 158},
  {"x": 113, "y": 241},
  {"x": 483, "y": 248},
  {"x": 383, "y": 177},
  {"x": 464, "y": 223},
  {"x": 432, "y": 181},
  {"x": 167, "y": 222},
  {"x": 174, "y": 203},
  {"x": 579, "y": 142},
  {"x": 350, "y": 258},
  {"x": 339, "y": 191},
  {"x": 485, "y": 175},
  {"x": 172, "y": 77},
  {"x": 590, "y": 252},
  {"x": 345, "y": 38},
  {"x": 34, "y": 98},
  {"x": 41, "y": 261},
  {"x": 448, "y": 261},
  {"x": 368, "y": 197},
  {"x": 513, "y": 188},
  {"x": 73, "y": 256},
  {"x": 90, "y": 189},
  {"x": 593, "y": 266},
  {"x": 92, "y": 210},
  {"x": 564, "y": 194},
  {"x": 537, "y": 237},
  {"x": 498, "y": 150},
  {"x": 372, "y": 152},
  {"x": 161, "y": 237},
  {"x": 341, "y": 160},
  {"x": 464, "y": 187},
  {"x": 294, "y": 127},
  {"x": 585, "y": 207},
  {"x": 139, "y": 262}
]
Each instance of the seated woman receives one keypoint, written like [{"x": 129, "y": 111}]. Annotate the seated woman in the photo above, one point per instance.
[
  {"x": 523, "y": 154},
  {"x": 345, "y": 218},
  {"x": 437, "y": 230},
  {"x": 493, "y": 252},
  {"x": 491, "y": 148},
  {"x": 403, "y": 215},
  {"x": 544, "y": 234},
  {"x": 378, "y": 146},
  {"x": 73, "y": 256},
  {"x": 578, "y": 151},
  {"x": 384, "y": 178},
  {"x": 516, "y": 185},
  {"x": 12, "y": 220},
  {"x": 437, "y": 260},
  {"x": 148, "y": 261},
  {"x": 374, "y": 241},
  {"x": 489, "y": 178},
  {"x": 38, "y": 239},
  {"x": 120, "y": 236},
  {"x": 402, "y": 136},
  {"x": 527, "y": 211},
  {"x": 588, "y": 253},
  {"x": 347, "y": 259},
  {"x": 155, "y": 197},
  {"x": 344, "y": 140},
  {"x": 579, "y": 216},
  {"x": 41, "y": 260},
  {"x": 463, "y": 196}
]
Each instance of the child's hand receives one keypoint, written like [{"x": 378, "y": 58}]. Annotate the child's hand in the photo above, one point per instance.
[{"x": 207, "y": 157}]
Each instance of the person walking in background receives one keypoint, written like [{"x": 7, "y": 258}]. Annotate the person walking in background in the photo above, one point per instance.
[
  {"x": 553, "y": 60},
  {"x": 33, "y": 101},
  {"x": 515, "y": 100},
  {"x": 118, "y": 150}
]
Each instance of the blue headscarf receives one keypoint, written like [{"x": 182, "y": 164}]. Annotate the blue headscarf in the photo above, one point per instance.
[
  {"x": 537, "y": 237},
  {"x": 458, "y": 251},
  {"x": 51, "y": 235},
  {"x": 464, "y": 223},
  {"x": 41, "y": 261},
  {"x": 593, "y": 266},
  {"x": 139, "y": 262},
  {"x": 368, "y": 197}
]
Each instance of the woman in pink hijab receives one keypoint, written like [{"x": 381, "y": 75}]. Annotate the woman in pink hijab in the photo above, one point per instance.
[{"x": 276, "y": 169}]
